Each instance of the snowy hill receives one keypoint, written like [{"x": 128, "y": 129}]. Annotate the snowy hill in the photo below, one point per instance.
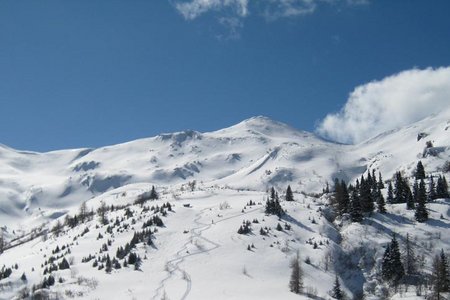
[{"x": 198, "y": 253}]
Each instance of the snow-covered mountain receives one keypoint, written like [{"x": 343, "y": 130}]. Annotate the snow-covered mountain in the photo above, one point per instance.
[
  {"x": 255, "y": 154},
  {"x": 230, "y": 167}
]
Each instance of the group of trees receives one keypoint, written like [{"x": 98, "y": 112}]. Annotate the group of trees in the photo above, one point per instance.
[
  {"x": 397, "y": 268},
  {"x": 273, "y": 206},
  {"x": 366, "y": 195},
  {"x": 360, "y": 198}
]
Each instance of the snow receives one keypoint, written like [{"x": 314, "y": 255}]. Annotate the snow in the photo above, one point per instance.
[{"x": 199, "y": 254}]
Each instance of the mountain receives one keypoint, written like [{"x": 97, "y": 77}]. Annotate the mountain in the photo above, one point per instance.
[{"x": 210, "y": 178}]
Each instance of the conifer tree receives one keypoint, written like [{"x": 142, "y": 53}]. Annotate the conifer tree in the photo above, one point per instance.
[
  {"x": 365, "y": 195},
  {"x": 440, "y": 276},
  {"x": 431, "y": 190},
  {"x": 355, "y": 207},
  {"x": 101, "y": 212},
  {"x": 442, "y": 188},
  {"x": 345, "y": 199},
  {"x": 336, "y": 293},
  {"x": 390, "y": 193},
  {"x": 381, "y": 205},
  {"x": 420, "y": 171},
  {"x": 289, "y": 194},
  {"x": 421, "y": 213},
  {"x": 410, "y": 203},
  {"x": 296, "y": 280},
  {"x": 392, "y": 268},
  {"x": 153, "y": 194},
  {"x": 2, "y": 241},
  {"x": 409, "y": 257},
  {"x": 380, "y": 181},
  {"x": 83, "y": 212}
]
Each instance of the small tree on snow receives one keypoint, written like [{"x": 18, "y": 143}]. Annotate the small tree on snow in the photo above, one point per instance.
[
  {"x": 296, "y": 281},
  {"x": 153, "y": 194},
  {"x": 289, "y": 194},
  {"x": 336, "y": 292}
]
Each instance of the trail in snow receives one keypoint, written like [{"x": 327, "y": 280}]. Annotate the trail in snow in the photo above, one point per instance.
[{"x": 173, "y": 265}]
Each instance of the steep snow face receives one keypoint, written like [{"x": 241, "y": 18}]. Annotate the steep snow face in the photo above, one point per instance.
[{"x": 254, "y": 154}]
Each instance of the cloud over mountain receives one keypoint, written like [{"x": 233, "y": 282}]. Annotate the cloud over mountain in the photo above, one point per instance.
[{"x": 389, "y": 103}]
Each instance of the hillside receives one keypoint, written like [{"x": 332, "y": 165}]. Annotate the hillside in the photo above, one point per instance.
[{"x": 197, "y": 253}]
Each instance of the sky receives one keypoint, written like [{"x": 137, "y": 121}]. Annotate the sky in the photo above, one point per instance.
[{"x": 90, "y": 73}]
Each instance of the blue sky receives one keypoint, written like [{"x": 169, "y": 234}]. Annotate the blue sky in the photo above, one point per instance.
[{"x": 88, "y": 73}]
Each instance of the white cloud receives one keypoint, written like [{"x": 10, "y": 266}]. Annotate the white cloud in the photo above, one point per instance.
[
  {"x": 194, "y": 8},
  {"x": 387, "y": 104},
  {"x": 271, "y": 9}
]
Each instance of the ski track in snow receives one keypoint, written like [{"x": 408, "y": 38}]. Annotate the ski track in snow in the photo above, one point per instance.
[{"x": 173, "y": 265}]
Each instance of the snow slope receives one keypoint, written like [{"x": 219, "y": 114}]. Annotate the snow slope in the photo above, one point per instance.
[
  {"x": 198, "y": 254},
  {"x": 255, "y": 154}
]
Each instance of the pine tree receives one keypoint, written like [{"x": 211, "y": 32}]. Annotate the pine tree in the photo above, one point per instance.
[
  {"x": 444, "y": 270},
  {"x": 365, "y": 195},
  {"x": 431, "y": 190},
  {"x": 380, "y": 181},
  {"x": 390, "y": 193},
  {"x": 440, "y": 276},
  {"x": 296, "y": 281},
  {"x": 2, "y": 241},
  {"x": 101, "y": 212},
  {"x": 108, "y": 264},
  {"x": 409, "y": 257},
  {"x": 153, "y": 194},
  {"x": 355, "y": 207},
  {"x": 381, "y": 205},
  {"x": 336, "y": 293},
  {"x": 442, "y": 188},
  {"x": 289, "y": 194},
  {"x": 83, "y": 212},
  {"x": 410, "y": 204},
  {"x": 340, "y": 199},
  {"x": 392, "y": 268},
  {"x": 420, "y": 171},
  {"x": 421, "y": 213},
  {"x": 398, "y": 191}
]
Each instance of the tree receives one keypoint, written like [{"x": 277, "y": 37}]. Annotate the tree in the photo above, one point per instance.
[
  {"x": 108, "y": 264},
  {"x": 2, "y": 241},
  {"x": 431, "y": 190},
  {"x": 341, "y": 197},
  {"x": 380, "y": 181},
  {"x": 390, "y": 193},
  {"x": 420, "y": 171},
  {"x": 392, "y": 268},
  {"x": 445, "y": 275},
  {"x": 366, "y": 196},
  {"x": 64, "y": 264},
  {"x": 440, "y": 275},
  {"x": 289, "y": 194},
  {"x": 336, "y": 293},
  {"x": 101, "y": 212},
  {"x": 296, "y": 281},
  {"x": 409, "y": 257},
  {"x": 355, "y": 207},
  {"x": 57, "y": 228},
  {"x": 410, "y": 203},
  {"x": 273, "y": 206},
  {"x": 153, "y": 194},
  {"x": 83, "y": 212},
  {"x": 421, "y": 213},
  {"x": 442, "y": 188},
  {"x": 381, "y": 205}
]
